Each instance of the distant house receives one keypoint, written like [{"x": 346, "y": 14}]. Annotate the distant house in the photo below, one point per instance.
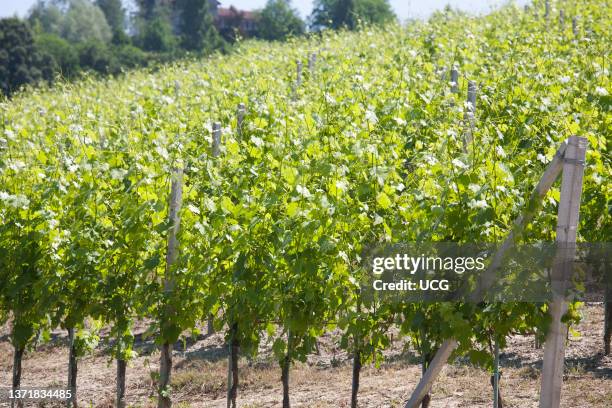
[{"x": 232, "y": 18}]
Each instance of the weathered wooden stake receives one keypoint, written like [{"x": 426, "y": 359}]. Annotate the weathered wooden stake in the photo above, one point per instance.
[
  {"x": 216, "y": 150},
  {"x": 298, "y": 79},
  {"x": 442, "y": 72},
  {"x": 240, "y": 114},
  {"x": 575, "y": 26},
  {"x": 216, "y": 139},
  {"x": 470, "y": 113},
  {"x": 567, "y": 225},
  {"x": 562, "y": 19},
  {"x": 454, "y": 77},
  {"x": 547, "y": 9},
  {"x": 551, "y": 173},
  {"x": 165, "y": 361},
  {"x": 471, "y": 96},
  {"x": 174, "y": 216},
  {"x": 312, "y": 62}
]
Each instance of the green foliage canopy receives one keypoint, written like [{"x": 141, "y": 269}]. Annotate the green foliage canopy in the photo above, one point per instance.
[
  {"x": 197, "y": 29},
  {"x": 278, "y": 21},
  {"x": 350, "y": 13},
  {"x": 20, "y": 61},
  {"x": 73, "y": 20}
]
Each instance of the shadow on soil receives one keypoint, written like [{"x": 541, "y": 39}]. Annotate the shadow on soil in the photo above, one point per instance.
[{"x": 591, "y": 364}]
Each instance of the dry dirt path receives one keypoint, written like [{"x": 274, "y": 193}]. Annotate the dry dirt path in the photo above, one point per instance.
[{"x": 200, "y": 374}]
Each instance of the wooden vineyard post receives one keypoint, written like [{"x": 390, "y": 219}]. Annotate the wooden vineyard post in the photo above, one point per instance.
[
  {"x": 471, "y": 96},
  {"x": 567, "y": 225},
  {"x": 470, "y": 114},
  {"x": 575, "y": 27},
  {"x": 216, "y": 139},
  {"x": 551, "y": 173},
  {"x": 454, "y": 77},
  {"x": 547, "y": 9},
  {"x": 216, "y": 151},
  {"x": 442, "y": 73},
  {"x": 312, "y": 62},
  {"x": 454, "y": 83},
  {"x": 165, "y": 361},
  {"x": 562, "y": 19},
  {"x": 298, "y": 79},
  {"x": 240, "y": 114}
]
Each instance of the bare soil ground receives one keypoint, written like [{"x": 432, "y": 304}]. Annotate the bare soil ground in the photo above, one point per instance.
[{"x": 199, "y": 374}]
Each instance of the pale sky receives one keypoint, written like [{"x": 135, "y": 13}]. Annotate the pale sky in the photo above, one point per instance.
[{"x": 403, "y": 8}]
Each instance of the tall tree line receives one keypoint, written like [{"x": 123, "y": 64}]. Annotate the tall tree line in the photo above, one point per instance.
[{"x": 63, "y": 38}]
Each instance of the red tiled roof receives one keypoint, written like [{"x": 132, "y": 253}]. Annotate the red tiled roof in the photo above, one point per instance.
[{"x": 228, "y": 12}]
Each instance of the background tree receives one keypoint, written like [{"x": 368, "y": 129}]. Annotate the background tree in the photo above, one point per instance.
[
  {"x": 84, "y": 21},
  {"x": 278, "y": 20},
  {"x": 147, "y": 8},
  {"x": 198, "y": 32},
  {"x": 332, "y": 14},
  {"x": 348, "y": 13},
  {"x": 73, "y": 20},
  {"x": 115, "y": 16},
  {"x": 20, "y": 60},
  {"x": 64, "y": 54},
  {"x": 95, "y": 56},
  {"x": 156, "y": 35},
  {"x": 372, "y": 12},
  {"x": 46, "y": 16}
]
